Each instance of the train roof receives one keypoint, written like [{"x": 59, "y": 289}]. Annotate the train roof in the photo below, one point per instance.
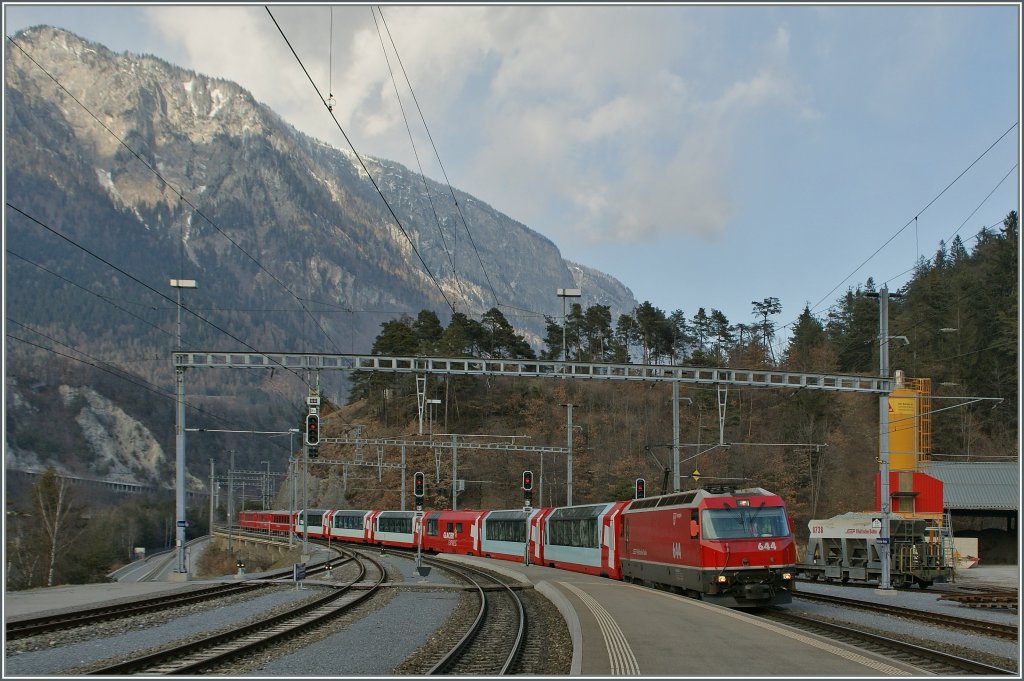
[{"x": 679, "y": 498}]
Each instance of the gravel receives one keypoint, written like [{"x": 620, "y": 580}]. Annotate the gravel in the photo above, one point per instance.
[
  {"x": 67, "y": 651},
  {"x": 1002, "y": 653},
  {"x": 396, "y": 633}
]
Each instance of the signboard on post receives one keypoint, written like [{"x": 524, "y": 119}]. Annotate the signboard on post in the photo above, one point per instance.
[{"x": 298, "y": 574}]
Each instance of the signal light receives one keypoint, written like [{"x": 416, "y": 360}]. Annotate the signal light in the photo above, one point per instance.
[
  {"x": 417, "y": 485},
  {"x": 528, "y": 481},
  {"x": 641, "y": 492},
  {"x": 312, "y": 430}
]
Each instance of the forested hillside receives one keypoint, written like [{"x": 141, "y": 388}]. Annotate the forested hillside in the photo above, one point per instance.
[{"x": 818, "y": 449}]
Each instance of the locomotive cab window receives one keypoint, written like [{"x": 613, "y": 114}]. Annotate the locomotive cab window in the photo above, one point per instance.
[{"x": 744, "y": 523}]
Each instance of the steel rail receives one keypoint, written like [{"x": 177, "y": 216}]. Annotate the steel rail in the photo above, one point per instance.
[
  {"x": 217, "y": 648},
  {"x": 961, "y": 623},
  {"x": 69, "y": 620},
  {"x": 451, "y": 660},
  {"x": 909, "y": 653}
]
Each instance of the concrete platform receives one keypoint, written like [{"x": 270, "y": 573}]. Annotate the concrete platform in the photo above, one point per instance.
[{"x": 619, "y": 629}]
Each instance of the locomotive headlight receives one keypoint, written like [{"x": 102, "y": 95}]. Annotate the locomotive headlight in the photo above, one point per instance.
[
  {"x": 721, "y": 579},
  {"x": 787, "y": 575}
]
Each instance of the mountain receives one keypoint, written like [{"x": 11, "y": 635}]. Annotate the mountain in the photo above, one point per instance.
[{"x": 124, "y": 171}]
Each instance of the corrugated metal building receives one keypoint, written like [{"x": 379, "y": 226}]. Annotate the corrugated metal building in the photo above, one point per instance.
[{"x": 983, "y": 500}]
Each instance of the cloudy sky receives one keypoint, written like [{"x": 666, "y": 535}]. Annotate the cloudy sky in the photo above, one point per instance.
[{"x": 705, "y": 156}]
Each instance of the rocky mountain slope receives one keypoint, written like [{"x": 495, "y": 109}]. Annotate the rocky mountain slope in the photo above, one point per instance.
[{"x": 123, "y": 171}]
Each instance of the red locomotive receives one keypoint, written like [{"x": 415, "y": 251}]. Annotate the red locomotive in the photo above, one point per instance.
[
  {"x": 732, "y": 547},
  {"x": 728, "y": 546}
]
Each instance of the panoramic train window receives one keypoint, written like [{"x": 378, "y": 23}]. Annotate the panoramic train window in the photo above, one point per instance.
[
  {"x": 350, "y": 521},
  {"x": 576, "y": 526},
  {"x": 390, "y": 524},
  {"x": 505, "y": 526},
  {"x": 743, "y": 523},
  {"x": 432, "y": 527}
]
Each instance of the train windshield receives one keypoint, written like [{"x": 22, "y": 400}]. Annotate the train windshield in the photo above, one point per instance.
[{"x": 744, "y": 523}]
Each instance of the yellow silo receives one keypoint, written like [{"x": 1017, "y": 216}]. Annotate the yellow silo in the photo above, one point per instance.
[{"x": 909, "y": 423}]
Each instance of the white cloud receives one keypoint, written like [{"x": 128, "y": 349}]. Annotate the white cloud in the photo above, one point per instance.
[{"x": 590, "y": 122}]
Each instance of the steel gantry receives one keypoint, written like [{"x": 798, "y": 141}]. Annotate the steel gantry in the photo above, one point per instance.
[
  {"x": 520, "y": 368},
  {"x": 763, "y": 378}
]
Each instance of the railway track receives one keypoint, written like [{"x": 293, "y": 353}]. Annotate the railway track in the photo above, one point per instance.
[
  {"x": 23, "y": 628},
  {"x": 1008, "y": 631},
  {"x": 932, "y": 661},
  {"x": 984, "y": 599},
  {"x": 69, "y": 620},
  {"x": 207, "y": 654},
  {"x": 495, "y": 640}
]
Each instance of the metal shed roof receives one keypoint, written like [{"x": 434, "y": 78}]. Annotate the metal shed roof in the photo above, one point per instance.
[{"x": 978, "y": 486}]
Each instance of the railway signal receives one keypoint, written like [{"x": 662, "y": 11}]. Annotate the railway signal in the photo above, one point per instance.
[
  {"x": 417, "y": 489},
  {"x": 641, "y": 492},
  {"x": 527, "y": 489},
  {"x": 312, "y": 430}
]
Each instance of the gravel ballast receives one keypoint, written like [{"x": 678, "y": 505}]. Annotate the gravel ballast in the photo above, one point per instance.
[
  {"x": 62, "y": 652},
  {"x": 1002, "y": 653}
]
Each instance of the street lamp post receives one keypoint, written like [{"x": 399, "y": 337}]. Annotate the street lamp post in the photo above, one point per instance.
[
  {"x": 305, "y": 502},
  {"x": 564, "y": 293},
  {"x": 180, "y": 573},
  {"x": 291, "y": 470}
]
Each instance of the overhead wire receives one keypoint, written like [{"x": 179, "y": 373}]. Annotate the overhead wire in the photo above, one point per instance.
[
  {"x": 362, "y": 164},
  {"x": 874, "y": 340},
  {"x": 912, "y": 220},
  {"x": 109, "y": 368},
  {"x": 177, "y": 191},
  {"x": 458, "y": 207},
  {"x": 419, "y": 164},
  {"x": 147, "y": 286},
  {"x": 101, "y": 297}
]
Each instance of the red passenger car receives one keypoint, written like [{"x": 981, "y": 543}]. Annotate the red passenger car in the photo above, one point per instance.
[
  {"x": 452, "y": 532},
  {"x": 272, "y": 522}
]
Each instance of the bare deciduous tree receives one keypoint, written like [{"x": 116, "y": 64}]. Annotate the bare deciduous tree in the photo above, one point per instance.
[{"x": 57, "y": 517}]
